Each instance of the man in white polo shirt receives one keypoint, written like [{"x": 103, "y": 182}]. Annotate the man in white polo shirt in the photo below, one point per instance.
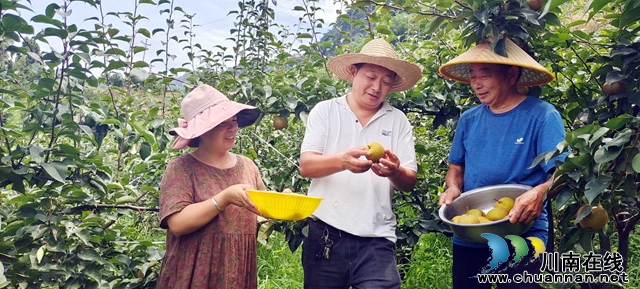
[{"x": 351, "y": 240}]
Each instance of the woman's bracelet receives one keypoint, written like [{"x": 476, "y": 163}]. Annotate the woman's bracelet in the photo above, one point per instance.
[{"x": 216, "y": 204}]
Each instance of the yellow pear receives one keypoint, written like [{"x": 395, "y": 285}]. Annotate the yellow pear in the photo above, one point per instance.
[
  {"x": 505, "y": 203},
  {"x": 476, "y": 212},
  {"x": 468, "y": 219},
  {"x": 279, "y": 122},
  {"x": 455, "y": 219},
  {"x": 376, "y": 150},
  {"x": 496, "y": 214},
  {"x": 595, "y": 220},
  {"x": 483, "y": 219}
]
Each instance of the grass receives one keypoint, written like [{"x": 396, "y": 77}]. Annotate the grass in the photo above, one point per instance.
[
  {"x": 431, "y": 263},
  {"x": 278, "y": 267}
]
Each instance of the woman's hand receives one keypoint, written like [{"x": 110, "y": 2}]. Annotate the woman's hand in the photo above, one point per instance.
[{"x": 237, "y": 195}]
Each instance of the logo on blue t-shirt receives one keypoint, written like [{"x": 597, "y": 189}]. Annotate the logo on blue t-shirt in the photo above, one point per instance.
[{"x": 519, "y": 141}]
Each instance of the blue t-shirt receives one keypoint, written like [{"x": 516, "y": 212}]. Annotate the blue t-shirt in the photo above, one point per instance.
[{"x": 499, "y": 149}]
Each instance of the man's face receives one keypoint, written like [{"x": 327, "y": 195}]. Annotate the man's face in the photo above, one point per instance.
[
  {"x": 371, "y": 84},
  {"x": 490, "y": 82}
]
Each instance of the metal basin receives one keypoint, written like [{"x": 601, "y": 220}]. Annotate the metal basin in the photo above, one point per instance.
[{"x": 484, "y": 199}]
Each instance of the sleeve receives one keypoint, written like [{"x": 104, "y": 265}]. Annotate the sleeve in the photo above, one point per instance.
[
  {"x": 457, "y": 153},
  {"x": 315, "y": 134},
  {"x": 551, "y": 133},
  {"x": 176, "y": 191},
  {"x": 406, "y": 147}
]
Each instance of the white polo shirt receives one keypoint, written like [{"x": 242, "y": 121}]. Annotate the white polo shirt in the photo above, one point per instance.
[{"x": 357, "y": 203}]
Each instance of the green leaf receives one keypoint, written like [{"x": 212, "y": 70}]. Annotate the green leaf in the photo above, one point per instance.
[
  {"x": 56, "y": 170},
  {"x": 585, "y": 240},
  {"x": 291, "y": 102},
  {"x": 112, "y": 32},
  {"x": 62, "y": 34},
  {"x": 595, "y": 7},
  {"x": 48, "y": 20},
  {"x": 596, "y": 186},
  {"x": 156, "y": 31},
  {"x": 563, "y": 197},
  {"x": 89, "y": 254},
  {"x": 84, "y": 235},
  {"x": 552, "y": 19},
  {"x": 138, "y": 49},
  {"x": 47, "y": 83},
  {"x": 35, "y": 152},
  {"x": 92, "y": 81},
  {"x": 11, "y": 23},
  {"x": 138, "y": 75},
  {"x": 629, "y": 16},
  {"x": 143, "y": 64},
  {"x": 111, "y": 121},
  {"x": 433, "y": 25},
  {"x": 144, "y": 32},
  {"x": 581, "y": 34},
  {"x": 50, "y": 11},
  {"x": 147, "y": 2},
  {"x": 635, "y": 163},
  {"x": 125, "y": 200},
  {"x": 576, "y": 23},
  {"x": 145, "y": 150},
  {"x": 40, "y": 253},
  {"x": 115, "y": 65}
]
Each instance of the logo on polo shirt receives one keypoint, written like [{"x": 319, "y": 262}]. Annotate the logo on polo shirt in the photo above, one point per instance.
[
  {"x": 519, "y": 141},
  {"x": 386, "y": 132}
]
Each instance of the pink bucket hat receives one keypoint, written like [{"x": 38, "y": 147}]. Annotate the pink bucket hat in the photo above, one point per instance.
[{"x": 204, "y": 108}]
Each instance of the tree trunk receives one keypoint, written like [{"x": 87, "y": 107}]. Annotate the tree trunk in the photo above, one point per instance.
[{"x": 623, "y": 247}]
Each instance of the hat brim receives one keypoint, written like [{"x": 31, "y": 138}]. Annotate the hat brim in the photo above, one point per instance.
[
  {"x": 407, "y": 73},
  {"x": 210, "y": 118},
  {"x": 532, "y": 72}
]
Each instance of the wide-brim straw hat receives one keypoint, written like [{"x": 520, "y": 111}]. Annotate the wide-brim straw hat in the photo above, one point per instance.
[
  {"x": 532, "y": 72},
  {"x": 203, "y": 109},
  {"x": 378, "y": 52}
]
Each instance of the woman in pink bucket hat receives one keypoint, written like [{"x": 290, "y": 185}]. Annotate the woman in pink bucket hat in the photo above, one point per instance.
[{"x": 210, "y": 220}]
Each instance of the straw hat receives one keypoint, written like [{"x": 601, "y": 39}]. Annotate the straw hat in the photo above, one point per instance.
[
  {"x": 532, "y": 73},
  {"x": 204, "y": 108},
  {"x": 378, "y": 52}
]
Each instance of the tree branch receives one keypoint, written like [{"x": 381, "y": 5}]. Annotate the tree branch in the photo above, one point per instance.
[
  {"x": 111, "y": 206},
  {"x": 417, "y": 12}
]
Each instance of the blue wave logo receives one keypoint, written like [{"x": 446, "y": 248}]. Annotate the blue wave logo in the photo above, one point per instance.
[{"x": 500, "y": 250}]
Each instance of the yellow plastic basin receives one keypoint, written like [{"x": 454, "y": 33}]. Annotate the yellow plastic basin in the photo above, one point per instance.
[{"x": 281, "y": 206}]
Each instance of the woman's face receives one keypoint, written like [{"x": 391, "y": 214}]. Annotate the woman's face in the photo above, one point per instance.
[{"x": 223, "y": 136}]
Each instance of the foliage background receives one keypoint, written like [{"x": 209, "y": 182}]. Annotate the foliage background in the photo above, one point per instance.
[{"x": 84, "y": 128}]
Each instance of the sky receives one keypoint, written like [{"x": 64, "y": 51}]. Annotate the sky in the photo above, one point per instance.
[{"x": 210, "y": 15}]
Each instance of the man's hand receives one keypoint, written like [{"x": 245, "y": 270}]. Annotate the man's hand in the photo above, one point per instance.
[
  {"x": 388, "y": 165},
  {"x": 448, "y": 196},
  {"x": 351, "y": 160},
  {"x": 527, "y": 207}
]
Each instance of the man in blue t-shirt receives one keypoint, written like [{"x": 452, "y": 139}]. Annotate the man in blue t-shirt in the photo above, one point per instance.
[{"x": 496, "y": 143}]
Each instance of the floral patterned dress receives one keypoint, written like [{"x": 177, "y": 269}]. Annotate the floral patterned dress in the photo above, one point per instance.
[{"x": 222, "y": 254}]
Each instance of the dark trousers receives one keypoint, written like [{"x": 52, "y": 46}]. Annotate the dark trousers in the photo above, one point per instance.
[
  {"x": 353, "y": 261},
  {"x": 468, "y": 261}
]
